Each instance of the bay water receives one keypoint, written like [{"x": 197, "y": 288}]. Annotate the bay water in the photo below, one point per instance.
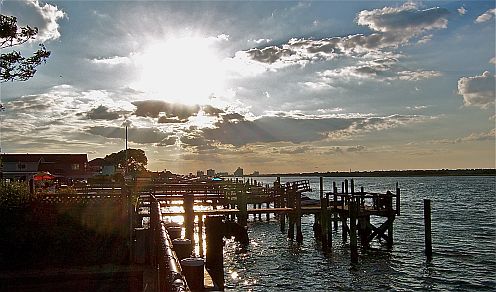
[{"x": 463, "y": 236}]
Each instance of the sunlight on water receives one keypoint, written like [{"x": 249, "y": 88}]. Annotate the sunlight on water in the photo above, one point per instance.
[{"x": 464, "y": 244}]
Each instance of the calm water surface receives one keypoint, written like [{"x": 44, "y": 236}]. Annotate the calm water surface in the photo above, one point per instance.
[{"x": 464, "y": 244}]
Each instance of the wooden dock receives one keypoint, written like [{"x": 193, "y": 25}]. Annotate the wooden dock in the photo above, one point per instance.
[
  {"x": 237, "y": 200},
  {"x": 222, "y": 209}
]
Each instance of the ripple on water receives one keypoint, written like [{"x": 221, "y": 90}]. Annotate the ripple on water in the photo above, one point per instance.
[{"x": 464, "y": 244}]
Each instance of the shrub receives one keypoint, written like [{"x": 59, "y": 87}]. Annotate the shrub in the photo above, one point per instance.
[{"x": 14, "y": 194}]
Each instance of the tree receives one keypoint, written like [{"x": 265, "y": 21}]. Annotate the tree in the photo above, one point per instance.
[
  {"x": 13, "y": 66},
  {"x": 136, "y": 160}
]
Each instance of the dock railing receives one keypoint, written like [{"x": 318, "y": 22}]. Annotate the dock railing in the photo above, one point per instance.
[{"x": 163, "y": 257}]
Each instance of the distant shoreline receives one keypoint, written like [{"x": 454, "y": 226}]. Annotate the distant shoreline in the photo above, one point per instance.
[{"x": 389, "y": 173}]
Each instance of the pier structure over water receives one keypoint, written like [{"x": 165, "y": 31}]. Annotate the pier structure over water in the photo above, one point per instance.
[
  {"x": 146, "y": 250},
  {"x": 347, "y": 206}
]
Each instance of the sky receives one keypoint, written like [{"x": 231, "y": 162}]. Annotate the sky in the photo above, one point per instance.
[{"x": 274, "y": 87}]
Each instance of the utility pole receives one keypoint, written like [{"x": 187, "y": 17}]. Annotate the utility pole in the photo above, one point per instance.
[{"x": 125, "y": 173}]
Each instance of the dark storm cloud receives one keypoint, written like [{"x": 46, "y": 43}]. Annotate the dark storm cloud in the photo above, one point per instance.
[
  {"x": 212, "y": 111},
  {"x": 102, "y": 113},
  {"x": 137, "y": 135},
  {"x": 153, "y": 108},
  {"x": 274, "y": 129}
]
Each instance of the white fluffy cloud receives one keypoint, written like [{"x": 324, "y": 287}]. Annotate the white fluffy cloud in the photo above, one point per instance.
[
  {"x": 391, "y": 26},
  {"x": 486, "y": 16},
  {"x": 478, "y": 90},
  {"x": 45, "y": 17}
]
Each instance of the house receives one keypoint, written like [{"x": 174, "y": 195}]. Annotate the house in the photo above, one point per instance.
[{"x": 63, "y": 166}]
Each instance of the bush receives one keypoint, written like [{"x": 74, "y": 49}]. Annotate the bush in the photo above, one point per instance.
[{"x": 14, "y": 194}]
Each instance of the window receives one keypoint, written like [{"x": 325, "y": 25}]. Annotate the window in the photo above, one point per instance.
[{"x": 75, "y": 166}]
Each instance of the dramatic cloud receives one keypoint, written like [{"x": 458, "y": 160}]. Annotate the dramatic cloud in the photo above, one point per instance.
[
  {"x": 392, "y": 26},
  {"x": 172, "y": 111},
  {"x": 486, "y": 16},
  {"x": 137, "y": 135},
  {"x": 380, "y": 70},
  {"x": 405, "y": 22},
  {"x": 478, "y": 90},
  {"x": 274, "y": 129},
  {"x": 102, "y": 113}
]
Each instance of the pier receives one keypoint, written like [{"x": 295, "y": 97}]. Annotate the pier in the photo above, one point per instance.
[{"x": 156, "y": 253}]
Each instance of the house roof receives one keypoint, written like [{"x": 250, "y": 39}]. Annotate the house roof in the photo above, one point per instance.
[{"x": 53, "y": 158}]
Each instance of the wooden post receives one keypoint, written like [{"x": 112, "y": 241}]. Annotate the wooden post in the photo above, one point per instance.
[
  {"x": 364, "y": 222},
  {"x": 346, "y": 186},
  {"x": 328, "y": 220},
  {"x": 427, "y": 224},
  {"x": 200, "y": 235},
  {"x": 281, "y": 203},
  {"x": 214, "y": 258},
  {"x": 267, "y": 218},
  {"x": 335, "y": 205},
  {"x": 390, "y": 230},
  {"x": 353, "y": 231},
  {"x": 189, "y": 216},
  {"x": 299, "y": 234},
  {"x": 344, "y": 228},
  {"x": 362, "y": 196},
  {"x": 352, "y": 187},
  {"x": 323, "y": 216},
  {"x": 291, "y": 204},
  {"x": 260, "y": 214},
  {"x": 397, "y": 200},
  {"x": 241, "y": 202}
]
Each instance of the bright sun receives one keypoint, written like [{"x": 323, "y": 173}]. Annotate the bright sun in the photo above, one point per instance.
[{"x": 187, "y": 70}]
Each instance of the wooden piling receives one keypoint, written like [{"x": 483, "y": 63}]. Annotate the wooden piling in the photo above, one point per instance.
[
  {"x": 189, "y": 216},
  {"x": 334, "y": 206},
  {"x": 344, "y": 229},
  {"x": 200, "y": 235},
  {"x": 427, "y": 224},
  {"x": 292, "y": 215},
  {"x": 397, "y": 200},
  {"x": 353, "y": 231},
  {"x": 242, "y": 204},
  {"x": 299, "y": 234},
  {"x": 214, "y": 258},
  {"x": 323, "y": 216}
]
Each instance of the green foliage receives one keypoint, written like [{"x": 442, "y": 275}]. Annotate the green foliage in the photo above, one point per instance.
[
  {"x": 14, "y": 194},
  {"x": 13, "y": 66},
  {"x": 136, "y": 160}
]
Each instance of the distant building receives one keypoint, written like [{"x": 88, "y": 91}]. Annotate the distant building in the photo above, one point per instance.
[
  {"x": 200, "y": 173},
  {"x": 238, "y": 172},
  {"x": 62, "y": 166},
  {"x": 210, "y": 172},
  {"x": 256, "y": 173},
  {"x": 221, "y": 174}
]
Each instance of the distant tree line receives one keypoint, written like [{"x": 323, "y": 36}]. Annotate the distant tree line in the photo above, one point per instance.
[{"x": 396, "y": 173}]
